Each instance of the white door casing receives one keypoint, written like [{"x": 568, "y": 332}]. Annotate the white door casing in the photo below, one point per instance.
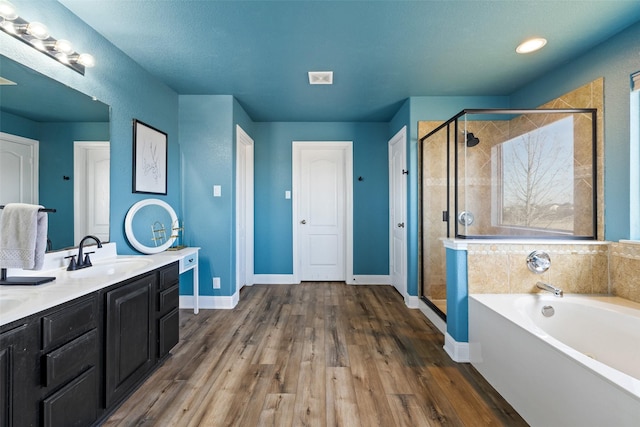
[
  {"x": 322, "y": 211},
  {"x": 91, "y": 189},
  {"x": 397, "y": 212},
  {"x": 18, "y": 169},
  {"x": 244, "y": 209}
]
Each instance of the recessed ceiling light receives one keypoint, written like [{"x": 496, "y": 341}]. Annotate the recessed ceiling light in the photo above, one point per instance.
[
  {"x": 320, "y": 77},
  {"x": 531, "y": 45}
]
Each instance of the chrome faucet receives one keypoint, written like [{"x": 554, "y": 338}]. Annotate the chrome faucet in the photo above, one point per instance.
[
  {"x": 82, "y": 262},
  {"x": 550, "y": 288}
]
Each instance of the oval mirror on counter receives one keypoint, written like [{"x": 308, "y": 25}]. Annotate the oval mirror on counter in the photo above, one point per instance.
[{"x": 148, "y": 226}]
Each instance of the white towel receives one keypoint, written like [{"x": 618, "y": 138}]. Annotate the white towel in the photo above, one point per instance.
[{"x": 23, "y": 236}]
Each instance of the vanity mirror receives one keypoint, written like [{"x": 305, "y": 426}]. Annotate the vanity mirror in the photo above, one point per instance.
[
  {"x": 37, "y": 110},
  {"x": 148, "y": 226}
]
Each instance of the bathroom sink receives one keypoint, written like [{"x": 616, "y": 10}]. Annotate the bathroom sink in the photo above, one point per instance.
[{"x": 111, "y": 267}]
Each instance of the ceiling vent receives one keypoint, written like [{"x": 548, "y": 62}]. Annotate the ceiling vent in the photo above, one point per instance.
[{"x": 320, "y": 77}]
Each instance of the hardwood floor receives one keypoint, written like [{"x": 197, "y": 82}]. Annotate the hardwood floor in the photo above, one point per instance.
[{"x": 315, "y": 354}]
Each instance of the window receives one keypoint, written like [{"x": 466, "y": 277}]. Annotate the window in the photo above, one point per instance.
[{"x": 535, "y": 176}]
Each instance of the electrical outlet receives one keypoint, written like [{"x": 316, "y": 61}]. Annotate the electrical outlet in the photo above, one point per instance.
[{"x": 216, "y": 283}]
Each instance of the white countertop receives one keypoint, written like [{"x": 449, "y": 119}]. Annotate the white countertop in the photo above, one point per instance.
[{"x": 108, "y": 268}]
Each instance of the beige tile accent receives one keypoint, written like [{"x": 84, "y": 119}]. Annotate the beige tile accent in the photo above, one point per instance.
[{"x": 625, "y": 270}]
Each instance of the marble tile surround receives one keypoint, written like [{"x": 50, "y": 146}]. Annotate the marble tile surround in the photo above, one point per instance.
[
  {"x": 587, "y": 268},
  {"x": 624, "y": 265}
]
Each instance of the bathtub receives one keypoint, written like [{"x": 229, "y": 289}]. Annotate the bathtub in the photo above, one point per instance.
[{"x": 578, "y": 367}]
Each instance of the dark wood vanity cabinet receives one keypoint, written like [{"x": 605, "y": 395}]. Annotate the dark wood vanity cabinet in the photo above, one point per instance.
[
  {"x": 129, "y": 335},
  {"x": 73, "y": 364}
]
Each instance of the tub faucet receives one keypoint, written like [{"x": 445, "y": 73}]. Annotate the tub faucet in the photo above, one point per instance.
[
  {"x": 549, "y": 288},
  {"x": 82, "y": 262}
]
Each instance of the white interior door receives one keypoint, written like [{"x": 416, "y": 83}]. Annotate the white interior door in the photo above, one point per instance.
[
  {"x": 18, "y": 169},
  {"x": 397, "y": 211},
  {"x": 322, "y": 219},
  {"x": 92, "y": 161},
  {"x": 244, "y": 209}
]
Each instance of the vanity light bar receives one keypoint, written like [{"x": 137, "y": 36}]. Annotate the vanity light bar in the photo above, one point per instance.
[{"x": 37, "y": 36}]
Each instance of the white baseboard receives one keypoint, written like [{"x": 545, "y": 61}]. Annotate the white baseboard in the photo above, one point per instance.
[
  {"x": 273, "y": 279},
  {"x": 412, "y": 301},
  {"x": 433, "y": 316},
  {"x": 210, "y": 302},
  {"x": 457, "y": 351},
  {"x": 288, "y": 279},
  {"x": 370, "y": 280}
]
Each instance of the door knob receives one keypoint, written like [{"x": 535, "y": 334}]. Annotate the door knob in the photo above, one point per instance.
[
  {"x": 401, "y": 224},
  {"x": 304, "y": 221}
]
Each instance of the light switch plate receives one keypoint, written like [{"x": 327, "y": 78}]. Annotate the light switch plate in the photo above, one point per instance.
[
  {"x": 217, "y": 191},
  {"x": 287, "y": 194}
]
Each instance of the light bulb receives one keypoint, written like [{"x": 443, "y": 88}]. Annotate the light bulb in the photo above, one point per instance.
[
  {"x": 86, "y": 59},
  {"x": 8, "y": 27},
  {"x": 62, "y": 57},
  {"x": 8, "y": 10},
  {"x": 38, "y": 30},
  {"x": 38, "y": 44},
  {"x": 63, "y": 46}
]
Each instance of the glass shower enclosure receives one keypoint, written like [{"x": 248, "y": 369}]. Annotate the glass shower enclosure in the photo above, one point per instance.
[{"x": 503, "y": 174}]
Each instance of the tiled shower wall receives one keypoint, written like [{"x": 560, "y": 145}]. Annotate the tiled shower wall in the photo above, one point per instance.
[
  {"x": 502, "y": 268},
  {"x": 586, "y": 268}
]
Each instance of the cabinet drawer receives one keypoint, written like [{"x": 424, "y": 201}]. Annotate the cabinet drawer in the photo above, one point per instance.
[
  {"x": 168, "y": 276},
  {"x": 76, "y": 404},
  {"x": 69, "y": 360},
  {"x": 188, "y": 261},
  {"x": 68, "y": 323},
  {"x": 169, "y": 299},
  {"x": 168, "y": 332}
]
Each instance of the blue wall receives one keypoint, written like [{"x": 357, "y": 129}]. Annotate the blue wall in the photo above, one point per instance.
[
  {"x": 18, "y": 125},
  {"x": 615, "y": 59},
  {"x": 273, "y": 175},
  {"x": 117, "y": 81},
  {"x": 208, "y": 159}
]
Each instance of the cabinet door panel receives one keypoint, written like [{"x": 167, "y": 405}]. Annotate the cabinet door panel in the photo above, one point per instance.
[
  {"x": 129, "y": 336},
  {"x": 69, "y": 360},
  {"x": 6, "y": 381},
  {"x": 169, "y": 299},
  {"x": 70, "y": 322},
  {"x": 76, "y": 404},
  {"x": 169, "y": 276},
  {"x": 168, "y": 332},
  {"x": 18, "y": 377}
]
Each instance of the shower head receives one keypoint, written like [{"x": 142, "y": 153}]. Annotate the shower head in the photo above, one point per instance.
[{"x": 472, "y": 140}]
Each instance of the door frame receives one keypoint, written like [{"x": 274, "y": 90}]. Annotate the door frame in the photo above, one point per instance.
[
  {"x": 245, "y": 149},
  {"x": 347, "y": 147},
  {"x": 399, "y": 138}
]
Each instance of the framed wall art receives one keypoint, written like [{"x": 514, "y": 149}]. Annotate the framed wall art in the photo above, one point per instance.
[{"x": 149, "y": 159}]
